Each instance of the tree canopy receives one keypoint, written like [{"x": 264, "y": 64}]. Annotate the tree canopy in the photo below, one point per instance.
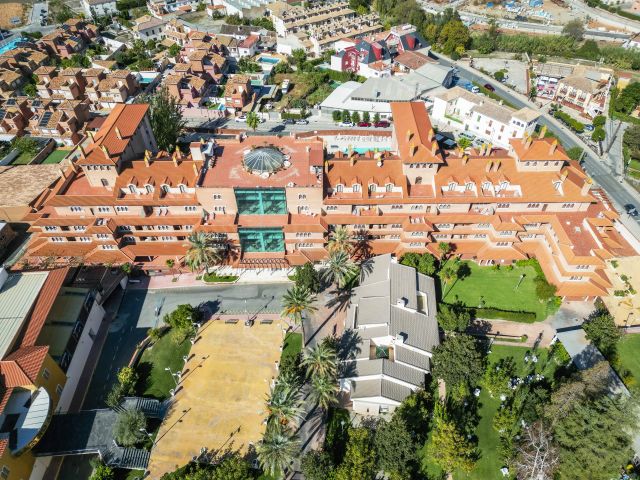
[
  {"x": 166, "y": 119},
  {"x": 453, "y": 318},
  {"x": 458, "y": 361},
  {"x": 602, "y": 331}
]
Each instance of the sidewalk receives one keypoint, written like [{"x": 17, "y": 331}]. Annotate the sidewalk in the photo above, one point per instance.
[{"x": 189, "y": 279}]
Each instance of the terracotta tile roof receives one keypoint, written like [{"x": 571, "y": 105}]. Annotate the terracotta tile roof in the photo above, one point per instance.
[
  {"x": 414, "y": 133},
  {"x": 115, "y": 134},
  {"x": 538, "y": 149},
  {"x": 161, "y": 170},
  {"x": 43, "y": 305},
  {"x": 23, "y": 365},
  {"x": 412, "y": 60}
]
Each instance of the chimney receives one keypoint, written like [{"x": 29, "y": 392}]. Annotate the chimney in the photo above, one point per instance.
[
  {"x": 487, "y": 168},
  {"x": 553, "y": 146},
  {"x": 543, "y": 131},
  {"x": 178, "y": 152},
  {"x": 432, "y": 135},
  {"x": 586, "y": 186},
  {"x": 564, "y": 174},
  {"x": 175, "y": 159},
  {"x": 90, "y": 134},
  {"x": 465, "y": 159},
  {"x": 195, "y": 169},
  {"x": 352, "y": 160},
  {"x": 83, "y": 154},
  {"x": 409, "y": 135},
  {"x": 412, "y": 149},
  {"x": 118, "y": 134},
  {"x": 482, "y": 148},
  {"x": 105, "y": 150},
  {"x": 147, "y": 157},
  {"x": 434, "y": 148},
  {"x": 527, "y": 142},
  {"x": 496, "y": 165},
  {"x": 487, "y": 152}
]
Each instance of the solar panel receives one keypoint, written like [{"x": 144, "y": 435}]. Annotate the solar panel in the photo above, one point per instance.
[
  {"x": 36, "y": 103},
  {"x": 45, "y": 119},
  {"x": 11, "y": 101},
  {"x": 2, "y": 113}
]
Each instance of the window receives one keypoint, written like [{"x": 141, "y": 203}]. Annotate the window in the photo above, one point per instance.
[
  {"x": 105, "y": 182},
  {"x": 396, "y": 225},
  {"x": 122, "y": 209},
  {"x": 444, "y": 206},
  {"x": 504, "y": 185},
  {"x": 452, "y": 186},
  {"x": 79, "y": 228},
  {"x": 395, "y": 236},
  {"x": 84, "y": 239},
  {"x": 132, "y": 189},
  {"x": 303, "y": 234},
  {"x": 468, "y": 186},
  {"x": 480, "y": 235},
  {"x": 183, "y": 188},
  {"x": 389, "y": 187},
  {"x": 149, "y": 188},
  {"x": 103, "y": 209},
  {"x": 418, "y": 180},
  {"x": 533, "y": 205},
  {"x": 108, "y": 247},
  {"x": 165, "y": 189},
  {"x": 218, "y": 208},
  {"x": 372, "y": 187},
  {"x": 129, "y": 238},
  {"x": 76, "y": 209},
  {"x": 356, "y": 188},
  {"x": 217, "y": 196},
  {"x": 503, "y": 205},
  {"x": 575, "y": 278},
  {"x": 486, "y": 185},
  {"x": 331, "y": 208},
  {"x": 45, "y": 374},
  {"x": 568, "y": 205},
  {"x": 396, "y": 207},
  {"x": 188, "y": 227},
  {"x": 57, "y": 239},
  {"x": 483, "y": 225},
  {"x": 50, "y": 228},
  {"x": 302, "y": 196},
  {"x": 359, "y": 226},
  {"x": 59, "y": 389},
  {"x": 102, "y": 236},
  {"x": 417, "y": 234},
  {"x": 190, "y": 208},
  {"x": 415, "y": 244},
  {"x": 416, "y": 207},
  {"x": 502, "y": 244}
]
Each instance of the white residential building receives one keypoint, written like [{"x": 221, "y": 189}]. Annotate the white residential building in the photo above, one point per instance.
[
  {"x": 460, "y": 109},
  {"x": 393, "y": 314},
  {"x": 149, "y": 28},
  {"x": 99, "y": 7}
]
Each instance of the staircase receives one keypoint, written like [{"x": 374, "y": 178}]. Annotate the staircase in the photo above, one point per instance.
[
  {"x": 130, "y": 458},
  {"x": 151, "y": 407}
]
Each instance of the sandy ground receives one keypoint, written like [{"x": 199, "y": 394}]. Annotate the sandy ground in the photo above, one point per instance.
[
  {"x": 625, "y": 310},
  {"x": 221, "y": 403},
  {"x": 11, "y": 10}
]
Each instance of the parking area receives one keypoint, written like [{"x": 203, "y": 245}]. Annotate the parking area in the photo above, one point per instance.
[
  {"x": 219, "y": 404},
  {"x": 514, "y": 69}
]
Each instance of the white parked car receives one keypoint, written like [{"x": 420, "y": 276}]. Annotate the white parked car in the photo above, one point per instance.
[
  {"x": 241, "y": 119},
  {"x": 346, "y": 124}
]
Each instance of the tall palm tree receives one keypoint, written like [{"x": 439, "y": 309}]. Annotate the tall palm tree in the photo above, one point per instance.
[
  {"x": 339, "y": 268},
  {"x": 445, "y": 249},
  {"x": 295, "y": 301},
  {"x": 277, "y": 449},
  {"x": 324, "y": 390},
  {"x": 202, "y": 252},
  {"x": 283, "y": 404},
  {"x": 449, "y": 274},
  {"x": 340, "y": 240},
  {"x": 320, "y": 360}
]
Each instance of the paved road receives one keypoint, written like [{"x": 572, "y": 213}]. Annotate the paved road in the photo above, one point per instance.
[
  {"x": 605, "y": 16},
  {"x": 599, "y": 172}
]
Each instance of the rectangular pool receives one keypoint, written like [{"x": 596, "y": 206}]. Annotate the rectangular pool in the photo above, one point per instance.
[
  {"x": 11, "y": 45},
  {"x": 270, "y": 60}
]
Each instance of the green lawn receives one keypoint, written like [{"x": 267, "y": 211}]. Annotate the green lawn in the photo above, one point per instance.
[
  {"x": 629, "y": 356},
  {"x": 292, "y": 345},
  {"x": 22, "y": 159},
  {"x": 55, "y": 157},
  {"x": 155, "y": 381},
  {"x": 497, "y": 288},
  {"x": 489, "y": 465}
]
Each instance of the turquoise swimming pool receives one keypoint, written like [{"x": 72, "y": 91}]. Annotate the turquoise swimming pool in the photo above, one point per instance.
[
  {"x": 11, "y": 45},
  {"x": 270, "y": 60},
  {"x": 362, "y": 150}
]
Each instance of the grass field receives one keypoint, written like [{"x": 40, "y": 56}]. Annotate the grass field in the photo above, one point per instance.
[
  {"x": 155, "y": 381},
  {"x": 292, "y": 345},
  {"x": 497, "y": 289},
  {"x": 629, "y": 355},
  {"x": 22, "y": 159},
  {"x": 11, "y": 10},
  {"x": 55, "y": 157},
  {"x": 489, "y": 465}
]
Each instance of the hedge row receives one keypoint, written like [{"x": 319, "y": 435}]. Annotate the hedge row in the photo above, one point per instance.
[
  {"x": 568, "y": 120},
  {"x": 491, "y": 313}
]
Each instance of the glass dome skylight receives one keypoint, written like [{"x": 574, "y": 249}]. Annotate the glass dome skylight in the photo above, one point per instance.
[{"x": 264, "y": 160}]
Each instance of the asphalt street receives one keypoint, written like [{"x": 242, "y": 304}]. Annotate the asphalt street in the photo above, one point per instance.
[{"x": 600, "y": 173}]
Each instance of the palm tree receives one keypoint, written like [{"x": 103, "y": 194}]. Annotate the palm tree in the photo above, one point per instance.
[
  {"x": 201, "y": 252},
  {"x": 339, "y": 268},
  {"x": 283, "y": 404},
  {"x": 444, "y": 248},
  {"x": 340, "y": 240},
  {"x": 320, "y": 360},
  {"x": 449, "y": 274},
  {"x": 324, "y": 390},
  {"x": 295, "y": 301},
  {"x": 277, "y": 449}
]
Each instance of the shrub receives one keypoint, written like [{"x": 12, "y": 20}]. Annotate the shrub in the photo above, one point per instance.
[
  {"x": 212, "y": 277},
  {"x": 155, "y": 334},
  {"x": 620, "y": 293},
  {"x": 491, "y": 313},
  {"x": 129, "y": 424}
]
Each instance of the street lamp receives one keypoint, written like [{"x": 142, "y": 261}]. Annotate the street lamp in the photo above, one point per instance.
[
  {"x": 144, "y": 430},
  {"x": 174, "y": 375}
]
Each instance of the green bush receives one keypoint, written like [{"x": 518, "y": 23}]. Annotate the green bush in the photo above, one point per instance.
[
  {"x": 212, "y": 277},
  {"x": 491, "y": 313}
]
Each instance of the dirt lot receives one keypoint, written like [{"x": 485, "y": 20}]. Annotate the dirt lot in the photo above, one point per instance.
[{"x": 12, "y": 10}]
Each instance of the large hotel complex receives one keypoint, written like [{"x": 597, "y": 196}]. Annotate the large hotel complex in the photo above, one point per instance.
[{"x": 277, "y": 198}]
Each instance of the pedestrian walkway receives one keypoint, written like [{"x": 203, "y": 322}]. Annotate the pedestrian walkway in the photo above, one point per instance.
[{"x": 189, "y": 279}]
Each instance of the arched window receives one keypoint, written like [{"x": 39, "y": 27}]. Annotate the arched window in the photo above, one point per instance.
[
  {"x": 418, "y": 180},
  {"x": 452, "y": 186},
  {"x": 468, "y": 186},
  {"x": 373, "y": 187},
  {"x": 504, "y": 185},
  {"x": 183, "y": 188},
  {"x": 339, "y": 188},
  {"x": 105, "y": 182},
  {"x": 132, "y": 188},
  {"x": 486, "y": 186},
  {"x": 356, "y": 187},
  {"x": 149, "y": 188},
  {"x": 164, "y": 188},
  {"x": 389, "y": 187}
]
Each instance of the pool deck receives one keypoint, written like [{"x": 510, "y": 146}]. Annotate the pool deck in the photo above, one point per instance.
[{"x": 220, "y": 402}]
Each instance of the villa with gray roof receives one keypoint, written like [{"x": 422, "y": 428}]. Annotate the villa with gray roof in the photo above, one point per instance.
[
  {"x": 492, "y": 121},
  {"x": 393, "y": 314}
]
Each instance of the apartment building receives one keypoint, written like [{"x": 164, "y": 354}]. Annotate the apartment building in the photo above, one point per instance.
[
  {"x": 276, "y": 198},
  {"x": 238, "y": 93},
  {"x": 290, "y": 19},
  {"x": 393, "y": 311},
  {"x": 161, "y": 7},
  {"x": 490, "y": 120},
  {"x": 17, "y": 66},
  {"x": 99, "y": 7},
  {"x": 149, "y": 27},
  {"x": 580, "y": 93},
  {"x": 71, "y": 38}
]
